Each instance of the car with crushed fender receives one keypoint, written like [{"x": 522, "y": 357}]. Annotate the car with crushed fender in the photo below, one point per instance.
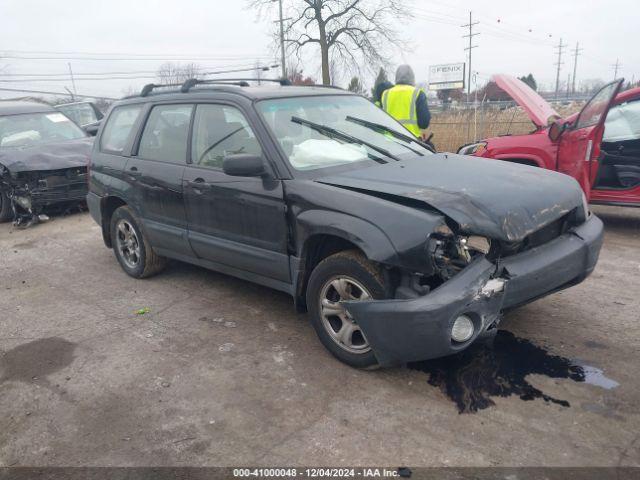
[
  {"x": 397, "y": 253},
  {"x": 599, "y": 146},
  {"x": 43, "y": 161}
]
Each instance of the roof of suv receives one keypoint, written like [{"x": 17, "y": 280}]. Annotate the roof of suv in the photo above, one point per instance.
[
  {"x": 259, "y": 92},
  {"x": 17, "y": 107}
]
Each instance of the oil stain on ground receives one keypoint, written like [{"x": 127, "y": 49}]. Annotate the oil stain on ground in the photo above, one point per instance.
[
  {"x": 500, "y": 369},
  {"x": 36, "y": 360}
]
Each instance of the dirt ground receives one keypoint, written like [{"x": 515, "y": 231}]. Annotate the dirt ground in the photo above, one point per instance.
[{"x": 222, "y": 372}]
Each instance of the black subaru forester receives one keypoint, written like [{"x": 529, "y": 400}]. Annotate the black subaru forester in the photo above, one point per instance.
[{"x": 398, "y": 253}]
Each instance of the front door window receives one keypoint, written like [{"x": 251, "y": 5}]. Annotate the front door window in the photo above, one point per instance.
[{"x": 218, "y": 131}]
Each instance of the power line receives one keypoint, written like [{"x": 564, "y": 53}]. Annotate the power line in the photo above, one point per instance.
[
  {"x": 576, "y": 54},
  {"x": 141, "y": 77},
  {"x": 559, "y": 64},
  {"x": 64, "y": 94},
  {"x": 471, "y": 46},
  {"x": 499, "y": 31},
  {"x": 123, "y": 58},
  {"x": 126, "y": 54},
  {"x": 128, "y": 72}
]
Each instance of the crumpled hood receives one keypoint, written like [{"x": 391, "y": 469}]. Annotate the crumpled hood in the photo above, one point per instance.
[
  {"x": 50, "y": 156},
  {"x": 499, "y": 200},
  {"x": 537, "y": 108}
]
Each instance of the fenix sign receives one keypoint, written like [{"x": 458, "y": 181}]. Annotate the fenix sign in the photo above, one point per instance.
[{"x": 447, "y": 76}]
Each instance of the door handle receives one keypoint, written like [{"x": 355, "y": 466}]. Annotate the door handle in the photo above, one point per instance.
[
  {"x": 198, "y": 185},
  {"x": 134, "y": 173}
]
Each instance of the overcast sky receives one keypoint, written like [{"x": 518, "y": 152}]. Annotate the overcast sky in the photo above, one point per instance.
[{"x": 516, "y": 37}]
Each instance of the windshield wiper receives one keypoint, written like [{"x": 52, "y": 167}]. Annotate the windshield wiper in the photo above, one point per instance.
[
  {"x": 332, "y": 132},
  {"x": 398, "y": 135}
]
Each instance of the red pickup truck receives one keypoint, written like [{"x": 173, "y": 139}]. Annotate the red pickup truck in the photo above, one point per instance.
[{"x": 599, "y": 146}]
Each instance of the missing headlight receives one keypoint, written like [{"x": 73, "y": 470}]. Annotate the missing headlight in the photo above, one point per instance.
[
  {"x": 24, "y": 202},
  {"x": 452, "y": 253}
]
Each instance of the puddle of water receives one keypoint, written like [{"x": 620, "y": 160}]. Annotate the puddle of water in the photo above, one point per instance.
[{"x": 500, "y": 368}]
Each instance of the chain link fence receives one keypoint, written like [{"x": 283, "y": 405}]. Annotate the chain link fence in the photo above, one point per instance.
[{"x": 465, "y": 123}]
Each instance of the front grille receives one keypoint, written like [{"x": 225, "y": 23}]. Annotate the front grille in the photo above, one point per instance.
[
  {"x": 540, "y": 237},
  {"x": 546, "y": 234},
  {"x": 71, "y": 191}
]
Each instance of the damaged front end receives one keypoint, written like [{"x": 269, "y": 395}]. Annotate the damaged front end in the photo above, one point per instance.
[
  {"x": 32, "y": 192},
  {"x": 475, "y": 281}
]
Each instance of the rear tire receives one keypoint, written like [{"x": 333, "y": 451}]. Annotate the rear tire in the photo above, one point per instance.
[
  {"x": 131, "y": 246},
  {"x": 347, "y": 275},
  {"x": 6, "y": 212}
]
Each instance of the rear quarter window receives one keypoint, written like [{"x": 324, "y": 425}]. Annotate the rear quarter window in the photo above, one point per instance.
[{"x": 119, "y": 127}]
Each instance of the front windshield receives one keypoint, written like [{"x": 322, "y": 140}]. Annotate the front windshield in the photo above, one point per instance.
[
  {"x": 325, "y": 131},
  {"x": 30, "y": 129}
]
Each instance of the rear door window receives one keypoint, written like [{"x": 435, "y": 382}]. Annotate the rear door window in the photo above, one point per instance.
[
  {"x": 165, "y": 135},
  {"x": 119, "y": 127}
]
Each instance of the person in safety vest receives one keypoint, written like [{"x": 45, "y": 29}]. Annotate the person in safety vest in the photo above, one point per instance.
[
  {"x": 407, "y": 103},
  {"x": 379, "y": 90}
]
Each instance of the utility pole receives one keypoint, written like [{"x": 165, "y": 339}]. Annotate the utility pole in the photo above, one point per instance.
[
  {"x": 281, "y": 21},
  {"x": 470, "y": 48},
  {"x": 576, "y": 54},
  {"x": 73, "y": 97},
  {"x": 560, "y": 49},
  {"x": 73, "y": 82},
  {"x": 616, "y": 66}
]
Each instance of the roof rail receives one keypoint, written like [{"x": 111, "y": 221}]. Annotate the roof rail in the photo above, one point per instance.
[
  {"x": 319, "y": 85},
  {"x": 148, "y": 88},
  {"x": 241, "y": 82}
]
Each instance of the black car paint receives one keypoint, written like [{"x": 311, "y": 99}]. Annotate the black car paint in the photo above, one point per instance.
[
  {"x": 48, "y": 174},
  {"x": 454, "y": 186},
  {"x": 402, "y": 331},
  {"x": 264, "y": 231}
]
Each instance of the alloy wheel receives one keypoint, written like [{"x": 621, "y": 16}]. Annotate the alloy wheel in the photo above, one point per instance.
[
  {"x": 340, "y": 326},
  {"x": 128, "y": 243}
]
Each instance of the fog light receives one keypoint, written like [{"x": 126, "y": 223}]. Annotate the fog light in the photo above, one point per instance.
[{"x": 462, "y": 329}]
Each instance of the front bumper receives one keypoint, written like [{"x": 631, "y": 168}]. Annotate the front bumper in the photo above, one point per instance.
[{"x": 401, "y": 331}]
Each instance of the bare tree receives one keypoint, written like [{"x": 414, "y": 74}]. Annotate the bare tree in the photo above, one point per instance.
[
  {"x": 343, "y": 30},
  {"x": 171, "y": 73}
]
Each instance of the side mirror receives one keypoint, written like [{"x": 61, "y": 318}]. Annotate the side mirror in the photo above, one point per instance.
[
  {"x": 92, "y": 128},
  {"x": 243, "y": 165},
  {"x": 555, "y": 130}
]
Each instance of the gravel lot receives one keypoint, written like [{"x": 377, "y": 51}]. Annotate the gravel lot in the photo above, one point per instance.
[{"x": 223, "y": 372}]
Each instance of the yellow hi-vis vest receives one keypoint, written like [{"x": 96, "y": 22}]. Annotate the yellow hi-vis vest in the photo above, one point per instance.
[{"x": 400, "y": 103}]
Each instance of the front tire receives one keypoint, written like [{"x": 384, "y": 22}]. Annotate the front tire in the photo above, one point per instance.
[
  {"x": 131, "y": 246},
  {"x": 6, "y": 212},
  {"x": 344, "y": 276}
]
